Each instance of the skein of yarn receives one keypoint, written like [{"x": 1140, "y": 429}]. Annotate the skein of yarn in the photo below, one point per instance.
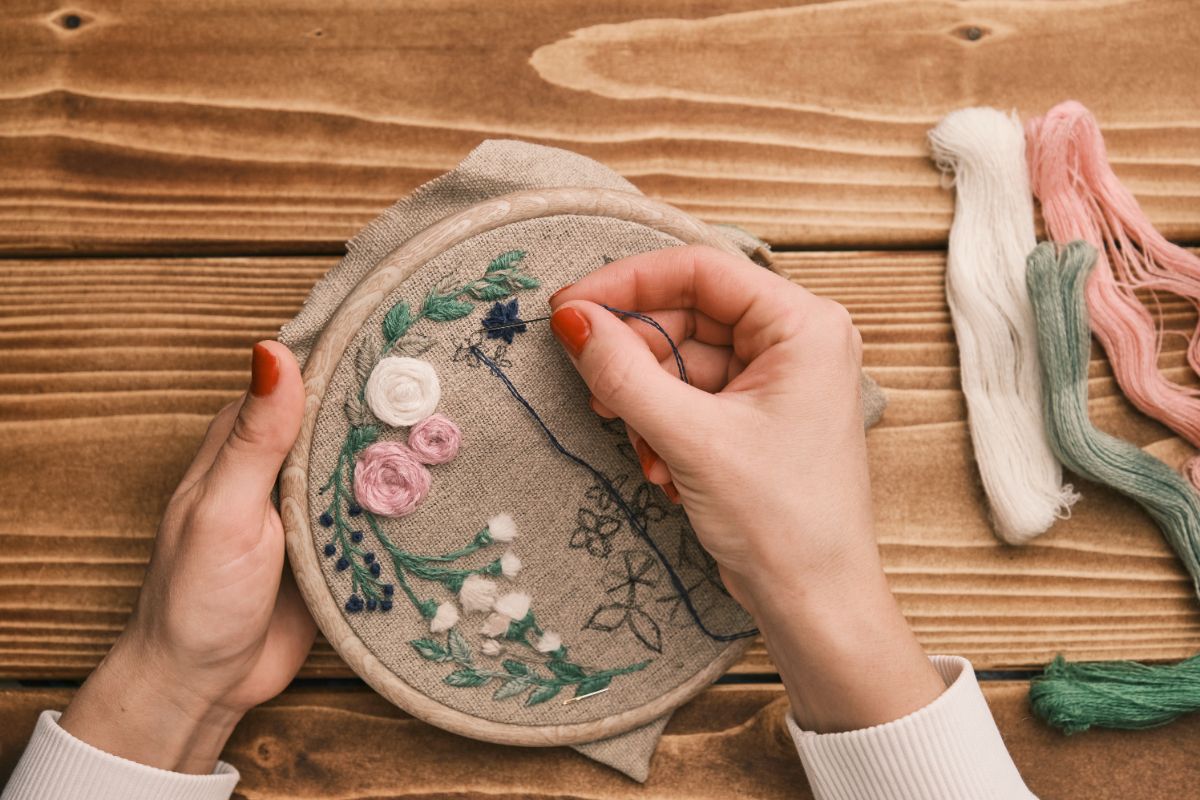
[
  {"x": 1056, "y": 287},
  {"x": 993, "y": 319},
  {"x": 1116, "y": 694},
  {"x": 1081, "y": 198}
]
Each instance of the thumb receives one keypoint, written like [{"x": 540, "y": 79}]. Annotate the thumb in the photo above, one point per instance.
[
  {"x": 622, "y": 372},
  {"x": 266, "y": 426}
]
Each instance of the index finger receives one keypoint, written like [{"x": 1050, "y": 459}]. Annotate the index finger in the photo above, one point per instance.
[{"x": 760, "y": 307}]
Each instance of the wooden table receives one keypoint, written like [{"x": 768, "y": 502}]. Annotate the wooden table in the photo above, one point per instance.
[{"x": 174, "y": 177}]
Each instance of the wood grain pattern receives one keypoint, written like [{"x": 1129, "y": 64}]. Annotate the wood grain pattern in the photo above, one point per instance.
[
  {"x": 730, "y": 741},
  {"x": 110, "y": 370},
  {"x": 204, "y": 126}
]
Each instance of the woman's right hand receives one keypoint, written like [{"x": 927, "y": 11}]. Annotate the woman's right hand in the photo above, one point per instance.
[{"x": 766, "y": 451}]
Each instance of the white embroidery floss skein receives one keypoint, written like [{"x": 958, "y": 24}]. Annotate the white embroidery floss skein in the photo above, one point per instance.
[{"x": 993, "y": 319}]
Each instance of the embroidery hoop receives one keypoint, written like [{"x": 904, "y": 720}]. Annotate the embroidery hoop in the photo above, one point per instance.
[{"x": 393, "y": 270}]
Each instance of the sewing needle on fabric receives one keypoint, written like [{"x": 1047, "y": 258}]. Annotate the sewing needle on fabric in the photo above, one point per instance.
[{"x": 585, "y": 696}]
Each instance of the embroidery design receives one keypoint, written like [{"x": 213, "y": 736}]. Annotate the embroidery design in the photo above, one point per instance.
[
  {"x": 615, "y": 428},
  {"x": 635, "y": 573},
  {"x": 630, "y": 515},
  {"x": 527, "y": 671},
  {"x": 504, "y": 321},
  {"x": 536, "y": 664},
  {"x": 595, "y": 532},
  {"x": 502, "y": 278},
  {"x": 642, "y": 501},
  {"x": 699, "y": 573},
  {"x": 463, "y": 351}
]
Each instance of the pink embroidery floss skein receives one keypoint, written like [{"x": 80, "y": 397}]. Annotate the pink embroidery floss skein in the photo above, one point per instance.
[
  {"x": 1081, "y": 198},
  {"x": 993, "y": 320}
]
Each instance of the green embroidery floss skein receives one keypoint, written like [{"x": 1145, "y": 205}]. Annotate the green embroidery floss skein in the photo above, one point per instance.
[
  {"x": 1118, "y": 694},
  {"x": 1115, "y": 694}
]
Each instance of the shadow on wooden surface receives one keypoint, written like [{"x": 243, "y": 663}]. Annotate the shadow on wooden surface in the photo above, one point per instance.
[{"x": 730, "y": 741}]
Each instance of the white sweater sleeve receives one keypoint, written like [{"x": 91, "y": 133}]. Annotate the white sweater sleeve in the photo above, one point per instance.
[
  {"x": 59, "y": 766},
  {"x": 948, "y": 750}
]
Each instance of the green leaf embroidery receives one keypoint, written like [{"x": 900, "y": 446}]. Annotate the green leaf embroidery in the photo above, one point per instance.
[
  {"x": 361, "y": 436},
  {"x": 466, "y": 677},
  {"x": 430, "y": 649},
  {"x": 542, "y": 695},
  {"x": 511, "y": 688},
  {"x": 593, "y": 684},
  {"x": 506, "y": 260},
  {"x": 445, "y": 308},
  {"x": 515, "y": 667},
  {"x": 518, "y": 628},
  {"x": 397, "y": 322},
  {"x": 460, "y": 651},
  {"x": 566, "y": 670},
  {"x": 524, "y": 281},
  {"x": 489, "y": 290}
]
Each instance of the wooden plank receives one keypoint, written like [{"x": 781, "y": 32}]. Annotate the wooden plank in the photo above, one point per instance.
[
  {"x": 110, "y": 370},
  {"x": 206, "y": 127},
  {"x": 730, "y": 741}
]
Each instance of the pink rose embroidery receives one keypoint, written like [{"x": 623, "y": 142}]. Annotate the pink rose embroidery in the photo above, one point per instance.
[
  {"x": 389, "y": 480},
  {"x": 435, "y": 439}
]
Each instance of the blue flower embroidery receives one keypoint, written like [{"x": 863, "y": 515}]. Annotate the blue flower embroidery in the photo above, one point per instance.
[{"x": 503, "y": 321}]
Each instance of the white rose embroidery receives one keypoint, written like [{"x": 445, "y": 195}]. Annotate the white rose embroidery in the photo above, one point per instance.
[{"x": 402, "y": 391}]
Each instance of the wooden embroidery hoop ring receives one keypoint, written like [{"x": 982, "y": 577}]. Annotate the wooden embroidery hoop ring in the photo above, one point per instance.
[{"x": 345, "y": 324}]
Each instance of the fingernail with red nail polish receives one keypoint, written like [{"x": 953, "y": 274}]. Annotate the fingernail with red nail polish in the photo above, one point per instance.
[
  {"x": 264, "y": 371},
  {"x": 571, "y": 329},
  {"x": 646, "y": 456},
  {"x": 560, "y": 291}
]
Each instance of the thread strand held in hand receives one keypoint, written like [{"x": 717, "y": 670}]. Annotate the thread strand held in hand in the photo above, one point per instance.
[
  {"x": 612, "y": 491},
  {"x": 991, "y": 235},
  {"x": 1056, "y": 286},
  {"x": 652, "y": 322},
  {"x": 1081, "y": 198}
]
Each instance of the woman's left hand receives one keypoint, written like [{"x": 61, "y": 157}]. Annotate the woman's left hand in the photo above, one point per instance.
[{"x": 219, "y": 626}]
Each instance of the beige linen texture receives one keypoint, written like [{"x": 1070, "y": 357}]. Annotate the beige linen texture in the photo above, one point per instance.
[{"x": 591, "y": 577}]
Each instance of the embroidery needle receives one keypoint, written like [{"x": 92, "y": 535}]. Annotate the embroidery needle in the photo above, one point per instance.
[{"x": 585, "y": 696}]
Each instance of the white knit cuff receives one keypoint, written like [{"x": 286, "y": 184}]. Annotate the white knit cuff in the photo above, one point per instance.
[
  {"x": 949, "y": 749},
  {"x": 57, "y": 765}
]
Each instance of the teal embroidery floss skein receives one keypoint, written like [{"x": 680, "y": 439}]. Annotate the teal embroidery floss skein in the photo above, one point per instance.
[
  {"x": 1119, "y": 694},
  {"x": 1115, "y": 694}
]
